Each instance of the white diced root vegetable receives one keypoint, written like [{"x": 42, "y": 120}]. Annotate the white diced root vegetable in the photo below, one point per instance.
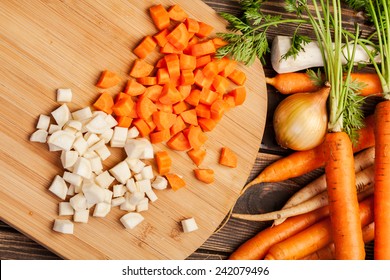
[
  {"x": 93, "y": 193},
  {"x": 83, "y": 168},
  {"x": 68, "y": 158},
  {"x": 63, "y": 226},
  {"x": 118, "y": 190},
  {"x": 127, "y": 206},
  {"x": 59, "y": 187},
  {"x": 64, "y": 95},
  {"x": 81, "y": 216},
  {"x": 151, "y": 195},
  {"x": 135, "y": 148},
  {"x": 107, "y": 196},
  {"x": 148, "y": 152},
  {"x": 72, "y": 178},
  {"x": 62, "y": 139},
  {"x": 131, "y": 186},
  {"x": 65, "y": 209},
  {"x": 103, "y": 152},
  {"x": 143, "y": 185},
  {"x": 143, "y": 205},
  {"x": 135, "y": 198},
  {"x": 106, "y": 136},
  {"x": 91, "y": 138},
  {"x": 104, "y": 179},
  {"x": 111, "y": 121},
  {"x": 78, "y": 202},
  {"x": 39, "y": 136},
  {"x": 97, "y": 125},
  {"x": 43, "y": 122},
  {"x": 147, "y": 172},
  {"x": 82, "y": 114},
  {"x": 136, "y": 165},
  {"x": 80, "y": 145},
  {"x": 138, "y": 177},
  {"x": 160, "y": 183},
  {"x": 96, "y": 164},
  {"x": 121, "y": 172},
  {"x": 53, "y": 128},
  {"x": 131, "y": 220},
  {"x": 117, "y": 201},
  {"x": 189, "y": 225},
  {"x": 133, "y": 132},
  {"x": 61, "y": 115},
  {"x": 101, "y": 209},
  {"x": 71, "y": 190},
  {"x": 119, "y": 137}
]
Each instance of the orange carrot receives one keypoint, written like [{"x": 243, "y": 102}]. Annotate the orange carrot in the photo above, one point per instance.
[
  {"x": 108, "y": 79},
  {"x": 201, "y": 80},
  {"x": 192, "y": 25},
  {"x": 239, "y": 95},
  {"x": 161, "y": 37},
  {"x": 145, "y": 107},
  {"x": 159, "y": 16},
  {"x": 204, "y": 175},
  {"x": 153, "y": 92},
  {"x": 142, "y": 126},
  {"x": 104, "y": 103},
  {"x": 204, "y": 30},
  {"x": 229, "y": 68},
  {"x": 163, "y": 161},
  {"x": 228, "y": 157},
  {"x": 382, "y": 181},
  {"x": 217, "y": 109},
  {"x": 238, "y": 77},
  {"x": 187, "y": 77},
  {"x": 134, "y": 88},
  {"x": 168, "y": 48},
  {"x": 187, "y": 62},
  {"x": 177, "y": 13},
  {"x": 220, "y": 84},
  {"x": 124, "y": 121},
  {"x": 163, "y": 76},
  {"x": 173, "y": 66},
  {"x": 193, "y": 98},
  {"x": 203, "y": 111},
  {"x": 179, "y": 142},
  {"x": 202, "y": 60},
  {"x": 123, "y": 107},
  {"x": 207, "y": 124},
  {"x": 145, "y": 47},
  {"x": 164, "y": 107},
  {"x": 207, "y": 96},
  {"x": 190, "y": 117},
  {"x": 163, "y": 120},
  {"x": 210, "y": 70},
  {"x": 169, "y": 95},
  {"x": 141, "y": 69},
  {"x": 342, "y": 196},
  {"x": 257, "y": 247},
  {"x": 121, "y": 95},
  {"x": 180, "y": 107},
  {"x": 179, "y": 37},
  {"x": 219, "y": 42},
  {"x": 184, "y": 90},
  {"x": 196, "y": 137},
  {"x": 197, "y": 155},
  {"x": 178, "y": 125},
  {"x": 159, "y": 136},
  {"x": 317, "y": 236},
  {"x": 147, "y": 81},
  {"x": 203, "y": 48},
  {"x": 174, "y": 181}
]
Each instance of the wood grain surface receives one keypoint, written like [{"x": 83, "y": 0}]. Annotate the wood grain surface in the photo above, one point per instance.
[
  {"x": 52, "y": 44},
  {"x": 259, "y": 199}
]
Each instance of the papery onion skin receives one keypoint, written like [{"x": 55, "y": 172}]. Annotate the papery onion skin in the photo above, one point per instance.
[{"x": 301, "y": 120}]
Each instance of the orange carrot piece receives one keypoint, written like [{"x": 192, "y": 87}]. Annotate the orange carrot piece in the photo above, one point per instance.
[
  {"x": 145, "y": 107},
  {"x": 141, "y": 69},
  {"x": 196, "y": 137},
  {"x": 228, "y": 157},
  {"x": 204, "y": 30},
  {"x": 207, "y": 124},
  {"x": 197, "y": 155},
  {"x": 104, "y": 103},
  {"x": 210, "y": 70},
  {"x": 238, "y": 77},
  {"x": 179, "y": 142},
  {"x": 289, "y": 83},
  {"x": 168, "y": 48},
  {"x": 239, "y": 95},
  {"x": 180, "y": 107},
  {"x": 201, "y": 80},
  {"x": 221, "y": 63},
  {"x": 147, "y": 81},
  {"x": 179, "y": 37},
  {"x": 178, "y": 126},
  {"x": 229, "y": 68},
  {"x": 121, "y": 95},
  {"x": 174, "y": 181},
  {"x": 203, "y": 111},
  {"x": 193, "y": 98},
  {"x": 217, "y": 109},
  {"x": 184, "y": 90},
  {"x": 123, "y": 107},
  {"x": 208, "y": 96},
  {"x": 219, "y": 42},
  {"x": 161, "y": 63},
  {"x": 169, "y": 95},
  {"x": 192, "y": 25},
  {"x": 382, "y": 181},
  {"x": 159, "y": 136},
  {"x": 220, "y": 84},
  {"x": 163, "y": 161},
  {"x": 176, "y": 13},
  {"x": 187, "y": 62},
  {"x": 108, "y": 79},
  {"x": 204, "y": 175},
  {"x": 163, "y": 76},
  {"x": 173, "y": 66},
  {"x": 164, "y": 107},
  {"x": 203, "y": 48},
  {"x": 145, "y": 47},
  {"x": 202, "y": 60},
  {"x": 229, "y": 101},
  {"x": 190, "y": 117},
  {"x": 160, "y": 16},
  {"x": 153, "y": 92},
  {"x": 343, "y": 201},
  {"x": 124, "y": 121},
  {"x": 142, "y": 126},
  {"x": 163, "y": 120},
  {"x": 134, "y": 88},
  {"x": 187, "y": 77},
  {"x": 161, "y": 37}
]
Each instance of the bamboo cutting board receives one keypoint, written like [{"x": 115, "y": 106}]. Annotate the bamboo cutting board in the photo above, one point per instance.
[{"x": 45, "y": 45}]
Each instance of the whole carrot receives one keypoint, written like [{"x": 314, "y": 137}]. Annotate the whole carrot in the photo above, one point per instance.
[
  {"x": 382, "y": 181},
  {"x": 342, "y": 197},
  {"x": 317, "y": 236},
  {"x": 257, "y": 247}
]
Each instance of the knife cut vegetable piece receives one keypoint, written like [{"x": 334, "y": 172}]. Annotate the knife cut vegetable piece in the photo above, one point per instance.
[
  {"x": 197, "y": 155},
  {"x": 131, "y": 220},
  {"x": 161, "y": 38},
  {"x": 179, "y": 142},
  {"x": 159, "y": 183},
  {"x": 174, "y": 181},
  {"x": 179, "y": 37},
  {"x": 169, "y": 95},
  {"x": 238, "y": 77},
  {"x": 145, "y": 47},
  {"x": 63, "y": 226},
  {"x": 108, "y": 79},
  {"x": 189, "y": 225},
  {"x": 59, "y": 187},
  {"x": 65, "y": 209},
  {"x": 177, "y": 13},
  {"x": 160, "y": 16},
  {"x": 204, "y": 30},
  {"x": 61, "y": 115},
  {"x": 203, "y": 48},
  {"x": 62, "y": 139},
  {"x": 239, "y": 95},
  {"x": 141, "y": 69},
  {"x": 64, "y": 95},
  {"x": 43, "y": 122},
  {"x": 228, "y": 157},
  {"x": 204, "y": 175},
  {"x": 192, "y": 25},
  {"x": 39, "y": 135},
  {"x": 83, "y": 168},
  {"x": 104, "y": 103},
  {"x": 163, "y": 161},
  {"x": 145, "y": 107}
]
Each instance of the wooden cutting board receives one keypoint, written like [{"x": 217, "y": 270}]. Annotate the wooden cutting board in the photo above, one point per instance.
[{"x": 45, "y": 45}]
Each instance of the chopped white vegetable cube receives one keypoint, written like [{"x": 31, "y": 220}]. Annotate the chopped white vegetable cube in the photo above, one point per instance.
[
  {"x": 61, "y": 115},
  {"x": 97, "y": 125},
  {"x": 104, "y": 180},
  {"x": 107, "y": 196},
  {"x": 103, "y": 152},
  {"x": 101, "y": 209},
  {"x": 99, "y": 113},
  {"x": 135, "y": 148},
  {"x": 69, "y": 158},
  {"x": 143, "y": 185},
  {"x": 81, "y": 216},
  {"x": 39, "y": 136},
  {"x": 136, "y": 197},
  {"x": 83, "y": 168},
  {"x": 53, "y": 128},
  {"x": 118, "y": 190},
  {"x": 93, "y": 193},
  {"x": 189, "y": 225},
  {"x": 43, "y": 122},
  {"x": 111, "y": 121},
  {"x": 119, "y": 137},
  {"x": 77, "y": 125},
  {"x": 148, "y": 152},
  {"x": 131, "y": 186},
  {"x": 64, "y": 95},
  {"x": 135, "y": 164},
  {"x": 160, "y": 183},
  {"x": 62, "y": 139},
  {"x": 133, "y": 133},
  {"x": 63, "y": 226},
  {"x": 127, "y": 206},
  {"x": 138, "y": 176},
  {"x": 151, "y": 195},
  {"x": 147, "y": 172},
  {"x": 117, "y": 201},
  {"x": 143, "y": 205},
  {"x": 54, "y": 148},
  {"x": 72, "y": 178},
  {"x": 121, "y": 172},
  {"x": 80, "y": 145},
  {"x": 71, "y": 190},
  {"x": 91, "y": 138},
  {"x": 97, "y": 145},
  {"x": 78, "y": 202},
  {"x": 96, "y": 164},
  {"x": 82, "y": 114},
  {"x": 106, "y": 136},
  {"x": 65, "y": 209},
  {"x": 131, "y": 220},
  {"x": 59, "y": 187}
]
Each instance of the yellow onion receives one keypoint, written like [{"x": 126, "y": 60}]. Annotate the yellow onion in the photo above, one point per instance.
[{"x": 300, "y": 120}]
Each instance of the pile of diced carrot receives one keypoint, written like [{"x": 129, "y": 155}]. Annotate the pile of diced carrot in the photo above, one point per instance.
[{"x": 184, "y": 95}]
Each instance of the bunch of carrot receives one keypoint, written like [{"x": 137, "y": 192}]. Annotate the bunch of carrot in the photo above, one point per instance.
[{"x": 182, "y": 96}]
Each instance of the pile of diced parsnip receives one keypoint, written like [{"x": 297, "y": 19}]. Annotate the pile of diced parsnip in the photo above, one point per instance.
[{"x": 84, "y": 137}]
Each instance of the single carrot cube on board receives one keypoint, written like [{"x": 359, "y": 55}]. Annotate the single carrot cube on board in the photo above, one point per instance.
[
  {"x": 160, "y": 16},
  {"x": 228, "y": 157},
  {"x": 174, "y": 181},
  {"x": 163, "y": 161},
  {"x": 145, "y": 47},
  {"x": 108, "y": 79},
  {"x": 104, "y": 103}
]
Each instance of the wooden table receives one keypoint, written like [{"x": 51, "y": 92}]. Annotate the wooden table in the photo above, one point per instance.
[{"x": 259, "y": 199}]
